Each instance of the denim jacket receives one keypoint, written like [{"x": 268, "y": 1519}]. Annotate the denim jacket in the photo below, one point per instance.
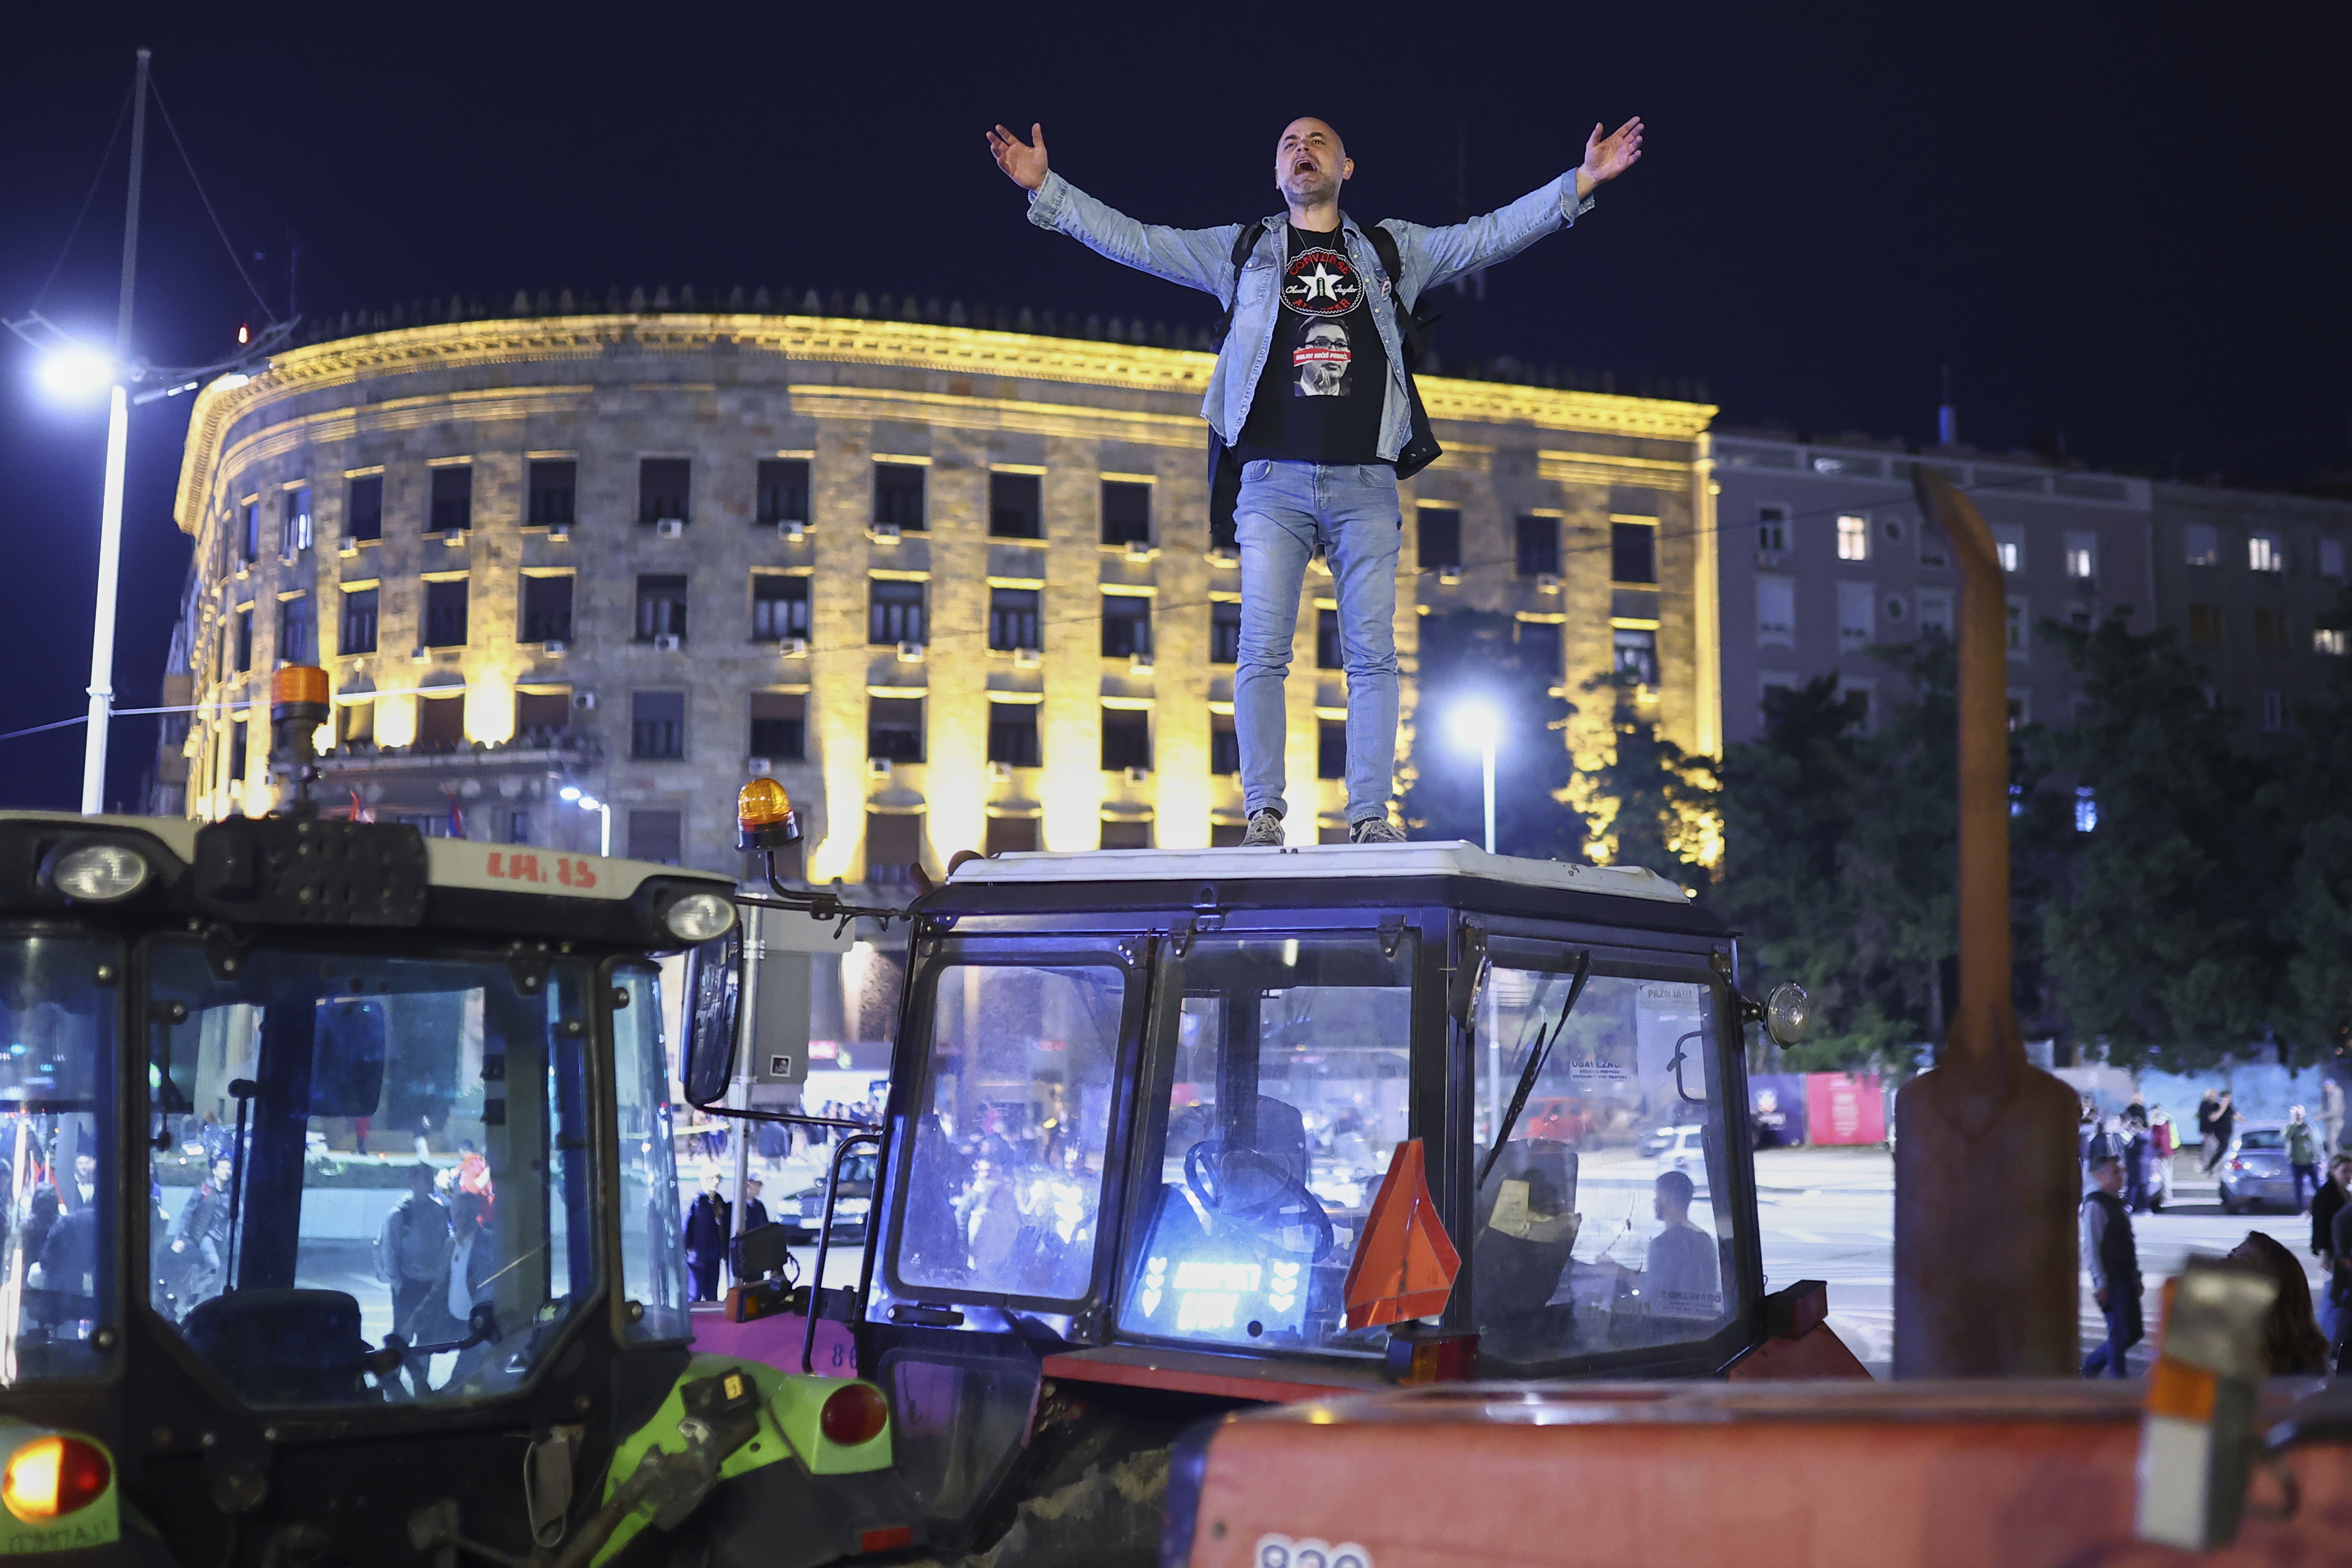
[{"x": 1204, "y": 259}]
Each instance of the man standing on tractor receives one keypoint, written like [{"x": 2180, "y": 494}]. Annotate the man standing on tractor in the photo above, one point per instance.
[{"x": 1312, "y": 402}]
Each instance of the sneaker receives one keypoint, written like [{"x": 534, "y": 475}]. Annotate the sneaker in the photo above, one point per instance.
[
  {"x": 1376, "y": 831},
  {"x": 1264, "y": 831}
]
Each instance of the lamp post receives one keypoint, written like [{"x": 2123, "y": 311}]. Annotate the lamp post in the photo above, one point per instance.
[
  {"x": 587, "y": 802},
  {"x": 1476, "y": 723}
]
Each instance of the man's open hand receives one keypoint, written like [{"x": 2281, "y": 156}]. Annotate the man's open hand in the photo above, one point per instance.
[
  {"x": 1025, "y": 164},
  {"x": 1605, "y": 157}
]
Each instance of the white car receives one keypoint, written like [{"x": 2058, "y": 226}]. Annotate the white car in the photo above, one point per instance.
[{"x": 1678, "y": 1149}]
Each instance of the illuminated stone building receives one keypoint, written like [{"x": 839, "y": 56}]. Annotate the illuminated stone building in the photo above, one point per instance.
[{"x": 950, "y": 583}]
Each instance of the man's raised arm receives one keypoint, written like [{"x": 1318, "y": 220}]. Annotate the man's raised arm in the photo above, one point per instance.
[
  {"x": 1431, "y": 256},
  {"x": 1199, "y": 258}
]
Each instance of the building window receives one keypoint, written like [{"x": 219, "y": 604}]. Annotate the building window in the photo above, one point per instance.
[
  {"x": 2270, "y": 631},
  {"x": 1126, "y": 512},
  {"x": 2273, "y": 713},
  {"x": 1776, "y": 611},
  {"x": 1331, "y": 748},
  {"x": 2265, "y": 552},
  {"x": 2015, "y": 629},
  {"x": 1540, "y": 648},
  {"x": 2082, "y": 557},
  {"x": 893, "y": 612},
  {"x": 445, "y": 613},
  {"x": 2331, "y": 559},
  {"x": 1127, "y": 833},
  {"x": 783, "y": 490},
  {"x": 1010, "y": 836},
  {"x": 453, "y": 499},
  {"x": 237, "y": 752},
  {"x": 294, "y": 534},
  {"x": 354, "y": 722},
  {"x": 1125, "y": 625},
  {"x": 1012, "y": 619},
  {"x": 518, "y": 827},
  {"x": 244, "y": 641},
  {"x": 297, "y": 631},
  {"x": 547, "y": 609},
  {"x": 2008, "y": 546},
  {"x": 780, "y": 606},
  {"x": 363, "y": 508},
  {"x": 1854, "y": 538},
  {"x": 1636, "y": 653},
  {"x": 357, "y": 634},
  {"x": 1935, "y": 606},
  {"x": 1438, "y": 539},
  {"x": 1224, "y": 631},
  {"x": 894, "y": 847},
  {"x": 657, "y": 836},
  {"x": 1857, "y": 605},
  {"x": 661, "y": 606},
  {"x": 2201, "y": 545},
  {"x": 1330, "y": 652},
  {"x": 899, "y": 495},
  {"x": 894, "y": 728},
  {"x": 543, "y": 715},
  {"x": 663, "y": 490},
  {"x": 440, "y": 723},
  {"x": 2328, "y": 640},
  {"x": 1126, "y": 738},
  {"x": 1633, "y": 552},
  {"x": 249, "y": 533},
  {"x": 2205, "y": 626},
  {"x": 553, "y": 483},
  {"x": 1225, "y": 746},
  {"x": 779, "y": 726},
  {"x": 1933, "y": 551},
  {"x": 1771, "y": 530},
  {"x": 1539, "y": 547},
  {"x": 1017, "y": 506},
  {"x": 657, "y": 725},
  {"x": 1012, "y": 735}
]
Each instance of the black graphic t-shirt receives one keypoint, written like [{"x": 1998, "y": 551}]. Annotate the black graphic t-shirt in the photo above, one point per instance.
[{"x": 1319, "y": 398}]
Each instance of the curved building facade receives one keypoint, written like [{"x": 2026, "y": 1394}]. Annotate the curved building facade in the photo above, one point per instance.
[{"x": 952, "y": 587}]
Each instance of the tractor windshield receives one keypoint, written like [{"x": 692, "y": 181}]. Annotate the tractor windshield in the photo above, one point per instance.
[
  {"x": 59, "y": 1000},
  {"x": 353, "y": 1153},
  {"x": 1597, "y": 1229}
]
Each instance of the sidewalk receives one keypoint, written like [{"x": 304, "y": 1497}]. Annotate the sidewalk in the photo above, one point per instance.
[{"x": 1866, "y": 1169}]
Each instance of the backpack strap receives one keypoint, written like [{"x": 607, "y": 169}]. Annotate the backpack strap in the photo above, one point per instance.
[
  {"x": 1409, "y": 322},
  {"x": 1245, "y": 243}
]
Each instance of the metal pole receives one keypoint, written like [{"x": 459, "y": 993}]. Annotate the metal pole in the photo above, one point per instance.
[
  {"x": 109, "y": 520},
  {"x": 604, "y": 830},
  {"x": 1488, "y": 759}
]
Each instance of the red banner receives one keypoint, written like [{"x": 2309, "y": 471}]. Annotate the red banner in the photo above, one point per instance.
[{"x": 1844, "y": 1108}]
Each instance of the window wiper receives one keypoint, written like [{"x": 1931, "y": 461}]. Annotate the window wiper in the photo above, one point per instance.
[{"x": 1545, "y": 1041}]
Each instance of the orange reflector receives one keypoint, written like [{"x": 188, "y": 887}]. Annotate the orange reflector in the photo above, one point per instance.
[
  {"x": 1405, "y": 1264},
  {"x": 856, "y": 1412},
  {"x": 762, "y": 803},
  {"x": 299, "y": 684},
  {"x": 2181, "y": 1391},
  {"x": 51, "y": 1477},
  {"x": 888, "y": 1540}
]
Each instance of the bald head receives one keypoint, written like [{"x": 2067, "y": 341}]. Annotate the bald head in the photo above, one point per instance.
[{"x": 1310, "y": 163}]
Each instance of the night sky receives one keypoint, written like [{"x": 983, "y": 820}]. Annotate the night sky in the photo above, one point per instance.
[{"x": 2117, "y": 231}]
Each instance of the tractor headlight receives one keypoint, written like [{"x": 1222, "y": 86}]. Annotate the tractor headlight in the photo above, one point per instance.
[
  {"x": 97, "y": 873},
  {"x": 700, "y": 916}
]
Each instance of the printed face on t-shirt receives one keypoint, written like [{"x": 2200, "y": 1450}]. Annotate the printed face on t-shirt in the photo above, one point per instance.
[{"x": 1321, "y": 284}]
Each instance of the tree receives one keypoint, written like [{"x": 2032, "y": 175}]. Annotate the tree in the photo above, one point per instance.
[
  {"x": 2312, "y": 801},
  {"x": 1466, "y": 656},
  {"x": 2156, "y": 932},
  {"x": 1650, "y": 804}
]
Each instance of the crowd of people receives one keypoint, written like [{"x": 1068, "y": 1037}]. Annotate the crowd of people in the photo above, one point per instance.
[{"x": 436, "y": 1252}]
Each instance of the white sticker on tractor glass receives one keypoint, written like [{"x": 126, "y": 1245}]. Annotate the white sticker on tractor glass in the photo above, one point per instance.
[{"x": 1281, "y": 1551}]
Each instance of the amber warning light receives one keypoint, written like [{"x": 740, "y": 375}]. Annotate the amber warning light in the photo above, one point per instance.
[
  {"x": 51, "y": 1477},
  {"x": 763, "y": 817}
]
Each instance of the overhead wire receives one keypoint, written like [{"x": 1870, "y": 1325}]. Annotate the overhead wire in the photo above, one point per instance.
[
  {"x": 91, "y": 196},
  {"x": 190, "y": 163}
]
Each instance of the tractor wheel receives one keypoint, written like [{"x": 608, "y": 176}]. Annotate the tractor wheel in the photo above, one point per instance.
[{"x": 1108, "y": 1517}]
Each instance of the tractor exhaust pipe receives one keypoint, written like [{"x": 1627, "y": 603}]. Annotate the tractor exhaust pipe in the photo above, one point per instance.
[{"x": 1985, "y": 1180}]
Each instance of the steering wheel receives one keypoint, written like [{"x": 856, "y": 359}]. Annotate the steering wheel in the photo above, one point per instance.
[{"x": 1209, "y": 1166}]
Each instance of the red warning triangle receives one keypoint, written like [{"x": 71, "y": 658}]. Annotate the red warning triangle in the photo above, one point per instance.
[{"x": 1405, "y": 1263}]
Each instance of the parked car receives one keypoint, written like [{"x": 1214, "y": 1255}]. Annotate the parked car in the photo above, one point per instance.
[
  {"x": 2255, "y": 1172},
  {"x": 1680, "y": 1149},
  {"x": 803, "y": 1213},
  {"x": 1561, "y": 1117}
]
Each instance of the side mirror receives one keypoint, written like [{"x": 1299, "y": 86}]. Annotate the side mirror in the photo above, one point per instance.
[
  {"x": 1789, "y": 1013},
  {"x": 714, "y": 983},
  {"x": 1469, "y": 979}
]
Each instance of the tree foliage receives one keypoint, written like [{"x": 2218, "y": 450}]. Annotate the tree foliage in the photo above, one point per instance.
[{"x": 1650, "y": 804}]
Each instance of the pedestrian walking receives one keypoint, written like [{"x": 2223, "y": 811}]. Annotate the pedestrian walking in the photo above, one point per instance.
[
  {"x": 2331, "y": 1117},
  {"x": 2225, "y": 1123},
  {"x": 2339, "y": 1246},
  {"x": 2302, "y": 1153},
  {"x": 2086, "y": 1130},
  {"x": 2113, "y": 1262},
  {"x": 1314, "y": 414},
  {"x": 2209, "y": 1106},
  {"x": 2133, "y": 1129},
  {"x": 412, "y": 1256},
  {"x": 708, "y": 1228},
  {"x": 2332, "y": 1194},
  {"x": 2162, "y": 1144}
]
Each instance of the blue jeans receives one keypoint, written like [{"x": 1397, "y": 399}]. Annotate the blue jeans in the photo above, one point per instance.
[
  {"x": 2124, "y": 1331},
  {"x": 1285, "y": 512}
]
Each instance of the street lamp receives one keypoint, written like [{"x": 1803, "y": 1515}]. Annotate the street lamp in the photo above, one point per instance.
[
  {"x": 587, "y": 802},
  {"x": 1476, "y": 724}
]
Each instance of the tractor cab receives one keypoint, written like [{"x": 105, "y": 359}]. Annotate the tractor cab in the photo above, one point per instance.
[{"x": 1146, "y": 1106}]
